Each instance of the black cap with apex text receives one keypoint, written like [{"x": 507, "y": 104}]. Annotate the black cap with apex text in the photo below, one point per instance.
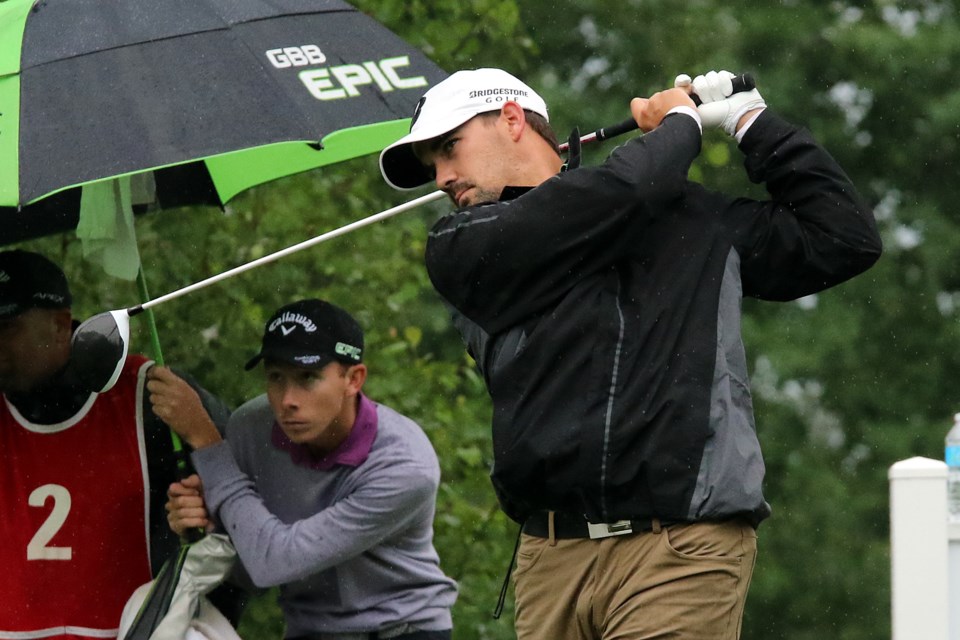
[
  {"x": 29, "y": 280},
  {"x": 311, "y": 334}
]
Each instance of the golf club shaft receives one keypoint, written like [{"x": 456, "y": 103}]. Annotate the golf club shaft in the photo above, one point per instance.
[
  {"x": 416, "y": 202},
  {"x": 741, "y": 83}
]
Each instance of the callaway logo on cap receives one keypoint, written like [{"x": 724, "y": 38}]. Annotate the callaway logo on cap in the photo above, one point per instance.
[
  {"x": 445, "y": 107},
  {"x": 28, "y": 280},
  {"x": 311, "y": 333},
  {"x": 286, "y": 322}
]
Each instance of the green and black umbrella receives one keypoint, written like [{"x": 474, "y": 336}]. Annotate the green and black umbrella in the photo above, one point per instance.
[
  {"x": 110, "y": 107},
  {"x": 208, "y": 97}
]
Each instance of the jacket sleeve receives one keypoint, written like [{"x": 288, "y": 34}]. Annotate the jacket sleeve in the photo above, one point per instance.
[
  {"x": 814, "y": 233},
  {"x": 501, "y": 263},
  {"x": 273, "y": 552}
]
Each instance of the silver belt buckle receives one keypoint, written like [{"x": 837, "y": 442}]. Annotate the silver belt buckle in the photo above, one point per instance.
[{"x": 608, "y": 529}]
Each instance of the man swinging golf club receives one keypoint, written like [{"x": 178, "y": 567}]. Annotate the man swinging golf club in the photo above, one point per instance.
[{"x": 602, "y": 306}]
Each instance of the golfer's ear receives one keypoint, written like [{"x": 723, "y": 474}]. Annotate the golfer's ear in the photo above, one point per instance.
[
  {"x": 356, "y": 376},
  {"x": 513, "y": 116}
]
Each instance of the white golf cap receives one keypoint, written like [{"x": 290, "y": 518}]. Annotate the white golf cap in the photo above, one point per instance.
[{"x": 445, "y": 107}]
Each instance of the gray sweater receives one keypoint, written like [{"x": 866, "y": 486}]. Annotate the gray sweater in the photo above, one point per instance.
[{"x": 349, "y": 540}]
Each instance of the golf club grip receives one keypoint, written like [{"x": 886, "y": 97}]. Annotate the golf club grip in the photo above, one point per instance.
[
  {"x": 741, "y": 83},
  {"x": 615, "y": 130}
]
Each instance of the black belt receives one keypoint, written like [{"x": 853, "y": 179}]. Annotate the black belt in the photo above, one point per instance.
[{"x": 567, "y": 526}]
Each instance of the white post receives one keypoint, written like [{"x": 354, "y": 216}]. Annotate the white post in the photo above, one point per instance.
[
  {"x": 918, "y": 549},
  {"x": 954, "y": 571}
]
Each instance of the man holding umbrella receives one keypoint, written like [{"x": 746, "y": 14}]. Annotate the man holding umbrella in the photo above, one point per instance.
[
  {"x": 324, "y": 492},
  {"x": 602, "y": 305},
  {"x": 83, "y": 475}
]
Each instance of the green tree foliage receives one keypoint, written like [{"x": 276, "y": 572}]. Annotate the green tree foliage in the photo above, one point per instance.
[{"x": 846, "y": 383}]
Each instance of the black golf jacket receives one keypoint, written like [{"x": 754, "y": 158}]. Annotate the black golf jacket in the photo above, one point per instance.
[{"x": 603, "y": 309}]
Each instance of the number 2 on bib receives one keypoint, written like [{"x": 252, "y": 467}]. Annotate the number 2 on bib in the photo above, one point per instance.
[{"x": 38, "y": 548}]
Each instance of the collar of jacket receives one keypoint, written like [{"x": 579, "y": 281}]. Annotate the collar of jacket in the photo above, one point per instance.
[{"x": 510, "y": 193}]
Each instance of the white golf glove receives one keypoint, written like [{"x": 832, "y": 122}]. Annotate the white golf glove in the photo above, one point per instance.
[{"x": 720, "y": 106}]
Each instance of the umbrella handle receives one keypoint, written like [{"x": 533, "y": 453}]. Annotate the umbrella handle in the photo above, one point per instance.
[
  {"x": 150, "y": 318},
  {"x": 179, "y": 454}
]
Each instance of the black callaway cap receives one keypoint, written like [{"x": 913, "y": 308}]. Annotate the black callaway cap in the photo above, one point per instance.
[
  {"x": 310, "y": 333},
  {"x": 30, "y": 281}
]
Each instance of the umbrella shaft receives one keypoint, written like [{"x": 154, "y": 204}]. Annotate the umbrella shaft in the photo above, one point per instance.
[{"x": 285, "y": 252}]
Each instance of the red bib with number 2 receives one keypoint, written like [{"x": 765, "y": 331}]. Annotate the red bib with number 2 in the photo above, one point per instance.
[{"x": 73, "y": 525}]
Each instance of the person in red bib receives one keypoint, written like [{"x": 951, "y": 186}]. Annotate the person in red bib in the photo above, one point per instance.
[{"x": 83, "y": 477}]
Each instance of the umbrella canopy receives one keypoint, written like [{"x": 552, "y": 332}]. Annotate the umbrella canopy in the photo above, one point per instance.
[{"x": 209, "y": 96}]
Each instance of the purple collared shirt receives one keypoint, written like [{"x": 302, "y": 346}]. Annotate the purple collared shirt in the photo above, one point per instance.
[{"x": 351, "y": 452}]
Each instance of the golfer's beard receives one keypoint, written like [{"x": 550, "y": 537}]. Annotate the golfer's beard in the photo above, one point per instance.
[
  {"x": 478, "y": 195},
  {"x": 482, "y": 196}
]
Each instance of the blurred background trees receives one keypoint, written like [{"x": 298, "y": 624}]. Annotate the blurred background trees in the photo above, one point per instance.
[{"x": 846, "y": 382}]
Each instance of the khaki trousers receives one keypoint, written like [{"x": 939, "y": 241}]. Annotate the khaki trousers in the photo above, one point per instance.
[{"x": 684, "y": 582}]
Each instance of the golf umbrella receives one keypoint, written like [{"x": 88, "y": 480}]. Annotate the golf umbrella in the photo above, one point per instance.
[{"x": 205, "y": 97}]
